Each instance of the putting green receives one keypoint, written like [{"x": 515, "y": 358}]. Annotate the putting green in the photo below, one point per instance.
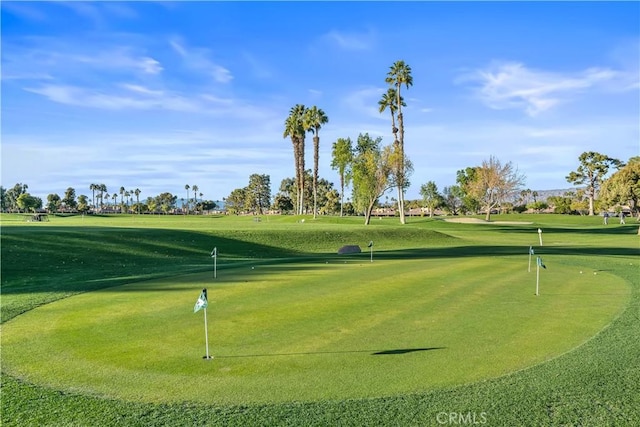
[{"x": 312, "y": 331}]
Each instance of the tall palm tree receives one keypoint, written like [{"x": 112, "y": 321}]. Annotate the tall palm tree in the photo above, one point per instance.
[
  {"x": 342, "y": 155},
  {"x": 389, "y": 100},
  {"x": 194, "y": 188},
  {"x": 400, "y": 74},
  {"x": 103, "y": 189},
  {"x": 114, "y": 196},
  {"x": 137, "y": 193},
  {"x": 314, "y": 118},
  {"x": 93, "y": 188},
  {"x": 187, "y": 187},
  {"x": 294, "y": 128}
]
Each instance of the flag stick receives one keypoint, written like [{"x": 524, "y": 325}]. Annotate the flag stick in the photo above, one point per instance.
[
  {"x": 537, "y": 278},
  {"x": 214, "y": 255},
  {"x": 529, "y": 261},
  {"x": 206, "y": 335}
]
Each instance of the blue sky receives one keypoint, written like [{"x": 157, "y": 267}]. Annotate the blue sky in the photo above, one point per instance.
[{"x": 156, "y": 95}]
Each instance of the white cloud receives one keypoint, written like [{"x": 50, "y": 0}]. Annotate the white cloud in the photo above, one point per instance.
[
  {"x": 512, "y": 85},
  {"x": 198, "y": 59},
  {"x": 350, "y": 40},
  {"x": 364, "y": 102}
]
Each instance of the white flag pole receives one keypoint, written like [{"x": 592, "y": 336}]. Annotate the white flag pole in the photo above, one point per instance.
[
  {"x": 215, "y": 262},
  {"x": 371, "y": 249},
  {"x": 529, "y": 260},
  {"x": 206, "y": 335},
  {"x": 537, "y": 277}
]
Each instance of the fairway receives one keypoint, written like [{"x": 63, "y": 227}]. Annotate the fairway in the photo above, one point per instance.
[{"x": 328, "y": 329}]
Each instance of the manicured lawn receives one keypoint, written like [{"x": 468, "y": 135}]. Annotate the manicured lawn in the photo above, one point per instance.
[{"x": 444, "y": 319}]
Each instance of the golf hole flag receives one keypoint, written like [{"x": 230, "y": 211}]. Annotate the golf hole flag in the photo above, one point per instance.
[
  {"x": 540, "y": 264},
  {"x": 202, "y": 301}
]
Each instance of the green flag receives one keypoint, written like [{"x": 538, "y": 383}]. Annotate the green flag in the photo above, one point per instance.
[{"x": 202, "y": 301}]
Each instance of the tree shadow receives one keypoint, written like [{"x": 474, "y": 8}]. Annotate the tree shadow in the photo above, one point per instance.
[
  {"x": 405, "y": 351},
  {"x": 312, "y": 353}
]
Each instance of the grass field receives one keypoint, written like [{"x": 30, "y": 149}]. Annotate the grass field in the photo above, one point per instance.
[{"x": 98, "y": 324}]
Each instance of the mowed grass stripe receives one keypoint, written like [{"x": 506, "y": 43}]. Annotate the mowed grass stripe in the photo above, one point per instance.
[{"x": 297, "y": 335}]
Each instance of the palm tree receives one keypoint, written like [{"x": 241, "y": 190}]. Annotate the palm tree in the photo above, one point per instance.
[
  {"x": 342, "y": 155},
  {"x": 114, "y": 196},
  {"x": 398, "y": 75},
  {"x": 137, "y": 193},
  {"x": 389, "y": 100},
  {"x": 294, "y": 128},
  {"x": 93, "y": 188},
  {"x": 194, "y": 188},
  {"x": 187, "y": 187},
  {"x": 103, "y": 189},
  {"x": 314, "y": 118}
]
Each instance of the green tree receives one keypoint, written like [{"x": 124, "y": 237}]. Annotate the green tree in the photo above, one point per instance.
[
  {"x": 69, "y": 199},
  {"x": 537, "y": 206},
  {"x": 452, "y": 199},
  {"x": 137, "y": 193},
  {"x": 12, "y": 195},
  {"x": 389, "y": 101},
  {"x": 623, "y": 187},
  {"x": 400, "y": 74},
  {"x": 371, "y": 170},
  {"x": 591, "y": 171},
  {"x": 166, "y": 201},
  {"x": 28, "y": 203},
  {"x": 464, "y": 178},
  {"x": 314, "y": 118},
  {"x": 294, "y": 128},
  {"x": 93, "y": 188},
  {"x": 560, "y": 204},
  {"x": 83, "y": 204},
  {"x": 53, "y": 203},
  {"x": 3, "y": 199},
  {"x": 235, "y": 202},
  {"x": 195, "y": 189},
  {"x": 431, "y": 198},
  {"x": 258, "y": 193},
  {"x": 494, "y": 183},
  {"x": 342, "y": 156},
  {"x": 283, "y": 203},
  {"x": 103, "y": 189},
  {"x": 187, "y": 187}
]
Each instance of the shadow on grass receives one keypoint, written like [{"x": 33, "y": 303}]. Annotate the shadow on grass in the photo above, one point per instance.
[{"x": 312, "y": 353}]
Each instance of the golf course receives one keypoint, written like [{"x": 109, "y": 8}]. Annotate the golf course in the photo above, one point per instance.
[{"x": 435, "y": 322}]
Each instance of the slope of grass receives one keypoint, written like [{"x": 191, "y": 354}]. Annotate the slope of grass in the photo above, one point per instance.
[{"x": 595, "y": 384}]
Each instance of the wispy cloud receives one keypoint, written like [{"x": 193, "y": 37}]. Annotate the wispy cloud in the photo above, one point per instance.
[
  {"x": 512, "y": 85},
  {"x": 198, "y": 59},
  {"x": 351, "y": 40}
]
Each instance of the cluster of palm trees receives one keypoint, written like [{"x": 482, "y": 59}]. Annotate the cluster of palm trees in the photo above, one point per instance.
[
  {"x": 102, "y": 194},
  {"x": 195, "y": 189},
  {"x": 300, "y": 121},
  {"x": 398, "y": 75}
]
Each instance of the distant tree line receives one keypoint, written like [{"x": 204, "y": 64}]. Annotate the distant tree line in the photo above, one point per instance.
[
  {"x": 367, "y": 166},
  {"x": 18, "y": 199}
]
